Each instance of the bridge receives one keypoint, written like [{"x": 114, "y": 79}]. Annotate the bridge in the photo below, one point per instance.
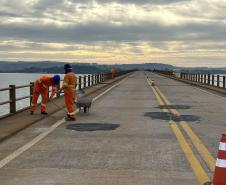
[{"x": 143, "y": 129}]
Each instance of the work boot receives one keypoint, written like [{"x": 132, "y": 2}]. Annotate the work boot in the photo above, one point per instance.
[
  {"x": 70, "y": 119},
  {"x": 44, "y": 113},
  {"x": 31, "y": 112}
]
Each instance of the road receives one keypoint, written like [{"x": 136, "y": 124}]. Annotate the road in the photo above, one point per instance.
[{"x": 135, "y": 134}]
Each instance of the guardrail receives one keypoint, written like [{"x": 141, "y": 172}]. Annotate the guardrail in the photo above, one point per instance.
[
  {"x": 209, "y": 79},
  {"x": 215, "y": 80},
  {"x": 82, "y": 82}
]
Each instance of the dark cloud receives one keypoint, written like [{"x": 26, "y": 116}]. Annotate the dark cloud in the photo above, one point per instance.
[
  {"x": 8, "y": 14},
  {"x": 45, "y": 4},
  {"x": 138, "y": 2},
  {"x": 93, "y": 32}
]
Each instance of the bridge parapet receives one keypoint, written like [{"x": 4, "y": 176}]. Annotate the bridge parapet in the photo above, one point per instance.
[
  {"x": 82, "y": 81},
  {"x": 216, "y": 82}
]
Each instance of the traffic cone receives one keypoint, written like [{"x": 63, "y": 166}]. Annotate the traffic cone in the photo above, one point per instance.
[
  {"x": 220, "y": 169},
  {"x": 152, "y": 83}
]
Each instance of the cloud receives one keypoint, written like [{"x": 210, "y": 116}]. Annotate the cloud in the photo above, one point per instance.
[
  {"x": 144, "y": 30},
  {"x": 140, "y": 2},
  {"x": 93, "y": 32}
]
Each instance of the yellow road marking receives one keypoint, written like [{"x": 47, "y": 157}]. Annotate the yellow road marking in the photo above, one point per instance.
[
  {"x": 195, "y": 164},
  {"x": 199, "y": 145},
  {"x": 203, "y": 151},
  {"x": 174, "y": 111}
]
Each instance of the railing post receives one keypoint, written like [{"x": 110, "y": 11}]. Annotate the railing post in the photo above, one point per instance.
[
  {"x": 12, "y": 97},
  {"x": 84, "y": 81},
  {"x": 31, "y": 91},
  {"x": 102, "y": 77},
  {"x": 96, "y": 79},
  {"x": 218, "y": 80},
  {"x": 89, "y": 81},
  {"x": 208, "y": 79},
  {"x": 212, "y": 80},
  {"x": 58, "y": 93},
  {"x": 79, "y": 82},
  {"x": 93, "y": 79},
  {"x": 223, "y": 81}
]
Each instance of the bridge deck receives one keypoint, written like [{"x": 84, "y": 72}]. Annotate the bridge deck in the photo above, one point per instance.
[{"x": 127, "y": 138}]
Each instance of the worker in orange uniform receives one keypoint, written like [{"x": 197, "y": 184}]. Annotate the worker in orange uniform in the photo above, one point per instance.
[
  {"x": 113, "y": 72},
  {"x": 41, "y": 87},
  {"x": 69, "y": 87}
]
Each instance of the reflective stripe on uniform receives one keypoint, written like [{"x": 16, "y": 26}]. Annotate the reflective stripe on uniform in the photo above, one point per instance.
[
  {"x": 41, "y": 82},
  {"x": 222, "y": 146},
  {"x": 33, "y": 104},
  {"x": 43, "y": 105},
  {"x": 221, "y": 163},
  {"x": 69, "y": 86},
  {"x": 71, "y": 113}
]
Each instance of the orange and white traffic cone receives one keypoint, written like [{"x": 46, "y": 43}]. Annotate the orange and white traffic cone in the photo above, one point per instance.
[
  {"x": 152, "y": 83},
  {"x": 220, "y": 169}
]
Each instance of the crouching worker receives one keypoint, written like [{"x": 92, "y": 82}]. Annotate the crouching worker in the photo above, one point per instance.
[
  {"x": 69, "y": 87},
  {"x": 41, "y": 87}
]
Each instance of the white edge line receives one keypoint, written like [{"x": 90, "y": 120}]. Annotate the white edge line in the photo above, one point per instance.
[
  {"x": 22, "y": 149},
  {"x": 97, "y": 97},
  {"x": 209, "y": 92},
  {"x": 38, "y": 138}
]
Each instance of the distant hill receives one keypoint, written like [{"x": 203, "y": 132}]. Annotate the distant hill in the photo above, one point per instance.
[
  {"x": 91, "y": 68},
  {"x": 10, "y": 66},
  {"x": 49, "y": 67},
  {"x": 81, "y": 68}
]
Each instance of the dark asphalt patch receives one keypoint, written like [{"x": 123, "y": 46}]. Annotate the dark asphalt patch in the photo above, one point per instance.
[
  {"x": 92, "y": 126},
  {"x": 168, "y": 116},
  {"x": 173, "y": 107}
]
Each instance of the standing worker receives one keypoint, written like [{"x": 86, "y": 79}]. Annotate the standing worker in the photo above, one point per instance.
[
  {"x": 69, "y": 87},
  {"x": 41, "y": 87},
  {"x": 113, "y": 72}
]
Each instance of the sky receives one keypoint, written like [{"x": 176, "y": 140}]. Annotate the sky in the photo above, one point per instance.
[{"x": 182, "y": 33}]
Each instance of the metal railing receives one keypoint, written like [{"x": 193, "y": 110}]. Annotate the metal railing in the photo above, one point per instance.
[
  {"x": 82, "y": 82},
  {"x": 215, "y": 80},
  {"x": 209, "y": 79}
]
